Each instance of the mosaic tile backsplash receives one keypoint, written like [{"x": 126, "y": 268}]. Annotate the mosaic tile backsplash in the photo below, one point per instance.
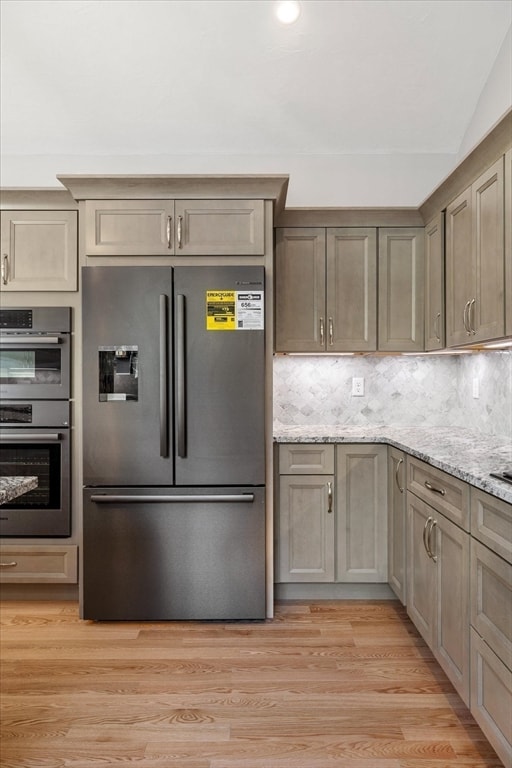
[{"x": 407, "y": 391}]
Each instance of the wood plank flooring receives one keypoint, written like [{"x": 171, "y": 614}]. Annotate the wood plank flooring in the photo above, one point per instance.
[{"x": 341, "y": 684}]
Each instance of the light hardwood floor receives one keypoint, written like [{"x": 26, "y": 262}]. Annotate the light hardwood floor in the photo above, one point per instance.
[{"x": 324, "y": 685}]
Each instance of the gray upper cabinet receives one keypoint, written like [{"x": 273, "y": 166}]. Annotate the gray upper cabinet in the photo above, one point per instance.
[
  {"x": 475, "y": 261},
  {"x": 174, "y": 228},
  {"x": 434, "y": 284},
  {"x": 401, "y": 282},
  {"x": 39, "y": 251},
  {"x": 326, "y": 289},
  {"x": 508, "y": 243}
]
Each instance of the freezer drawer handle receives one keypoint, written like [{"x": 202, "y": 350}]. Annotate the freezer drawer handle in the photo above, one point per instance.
[
  {"x": 164, "y": 438},
  {"x": 105, "y": 498},
  {"x": 26, "y": 437}
]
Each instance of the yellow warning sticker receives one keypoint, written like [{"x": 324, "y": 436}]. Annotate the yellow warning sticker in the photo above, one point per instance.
[{"x": 220, "y": 311}]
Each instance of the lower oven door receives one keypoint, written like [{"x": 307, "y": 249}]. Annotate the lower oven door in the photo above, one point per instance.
[{"x": 45, "y": 454}]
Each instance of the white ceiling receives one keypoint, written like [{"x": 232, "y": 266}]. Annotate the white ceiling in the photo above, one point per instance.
[{"x": 219, "y": 79}]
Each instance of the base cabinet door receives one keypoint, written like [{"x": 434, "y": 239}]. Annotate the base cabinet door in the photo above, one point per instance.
[
  {"x": 306, "y": 529},
  {"x": 438, "y": 588},
  {"x": 421, "y": 572},
  {"x": 361, "y": 502},
  {"x": 397, "y": 523}
]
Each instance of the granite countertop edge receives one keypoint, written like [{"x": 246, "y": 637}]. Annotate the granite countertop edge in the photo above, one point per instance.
[
  {"x": 13, "y": 486},
  {"x": 471, "y": 456}
]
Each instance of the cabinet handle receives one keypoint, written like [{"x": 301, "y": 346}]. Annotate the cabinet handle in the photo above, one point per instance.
[
  {"x": 12, "y": 564},
  {"x": 169, "y": 231},
  {"x": 471, "y": 316},
  {"x": 437, "y": 323},
  {"x": 180, "y": 233},
  {"x": 5, "y": 268},
  {"x": 329, "y": 498},
  {"x": 432, "y": 488},
  {"x": 429, "y": 542},
  {"x": 465, "y": 318},
  {"x": 321, "y": 331},
  {"x": 400, "y": 488},
  {"x": 331, "y": 332},
  {"x": 427, "y": 523}
]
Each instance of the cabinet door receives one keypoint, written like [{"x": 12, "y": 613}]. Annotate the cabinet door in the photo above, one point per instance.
[
  {"x": 421, "y": 570},
  {"x": 434, "y": 284},
  {"x": 300, "y": 290},
  {"x": 220, "y": 228},
  {"x": 486, "y": 316},
  {"x": 396, "y": 523},
  {"x": 401, "y": 279},
  {"x": 460, "y": 277},
  {"x": 450, "y": 547},
  {"x": 305, "y": 548},
  {"x": 129, "y": 227},
  {"x": 361, "y": 493},
  {"x": 351, "y": 290},
  {"x": 39, "y": 251}
]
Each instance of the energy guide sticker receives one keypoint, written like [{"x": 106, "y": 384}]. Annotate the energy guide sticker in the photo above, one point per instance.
[{"x": 234, "y": 311}]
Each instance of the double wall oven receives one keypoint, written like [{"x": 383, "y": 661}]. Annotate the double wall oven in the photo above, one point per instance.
[{"x": 35, "y": 394}]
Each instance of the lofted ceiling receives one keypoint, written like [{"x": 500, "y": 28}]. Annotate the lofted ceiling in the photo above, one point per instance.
[{"x": 213, "y": 85}]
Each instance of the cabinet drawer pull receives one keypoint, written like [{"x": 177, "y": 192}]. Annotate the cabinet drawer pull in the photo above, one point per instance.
[
  {"x": 329, "y": 498},
  {"x": 321, "y": 331},
  {"x": 180, "y": 233},
  {"x": 331, "y": 332},
  {"x": 432, "y": 488},
  {"x": 169, "y": 231},
  {"x": 5, "y": 268},
  {"x": 400, "y": 488},
  {"x": 12, "y": 564}
]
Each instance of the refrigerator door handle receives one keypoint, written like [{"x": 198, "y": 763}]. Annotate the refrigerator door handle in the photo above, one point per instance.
[
  {"x": 164, "y": 437},
  {"x": 106, "y": 498},
  {"x": 181, "y": 426}
]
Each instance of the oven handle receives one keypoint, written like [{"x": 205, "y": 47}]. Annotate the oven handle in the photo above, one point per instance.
[
  {"x": 28, "y": 438},
  {"x": 19, "y": 339}
]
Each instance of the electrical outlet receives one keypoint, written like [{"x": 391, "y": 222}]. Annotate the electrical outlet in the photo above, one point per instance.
[
  {"x": 357, "y": 386},
  {"x": 476, "y": 388}
]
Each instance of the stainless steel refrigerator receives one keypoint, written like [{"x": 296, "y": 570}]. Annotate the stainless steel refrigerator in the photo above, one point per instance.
[{"x": 173, "y": 443}]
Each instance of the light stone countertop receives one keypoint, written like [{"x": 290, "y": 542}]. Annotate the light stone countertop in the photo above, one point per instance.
[
  {"x": 468, "y": 455},
  {"x": 13, "y": 486}
]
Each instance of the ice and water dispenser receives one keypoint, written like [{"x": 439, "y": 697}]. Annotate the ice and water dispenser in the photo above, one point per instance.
[{"x": 118, "y": 373}]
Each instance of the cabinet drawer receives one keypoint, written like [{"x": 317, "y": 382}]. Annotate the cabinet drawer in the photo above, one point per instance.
[
  {"x": 443, "y": 492},
  {"x": 491, "y": 522},
  {"x": 306, "y": 459},
  {"x": 491, "y": 600},
  {"x": 491, "y": 697},
  {"x": 38, "y": 564}
]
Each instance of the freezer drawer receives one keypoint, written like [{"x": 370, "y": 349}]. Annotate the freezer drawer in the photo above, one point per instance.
[{"x": 173, "y": 554}]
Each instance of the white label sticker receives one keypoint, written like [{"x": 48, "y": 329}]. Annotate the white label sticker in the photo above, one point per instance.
[{"x": 250, "y": 315}]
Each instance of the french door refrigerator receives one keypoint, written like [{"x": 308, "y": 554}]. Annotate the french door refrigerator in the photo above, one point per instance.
[{"x": 173, "y": 443}]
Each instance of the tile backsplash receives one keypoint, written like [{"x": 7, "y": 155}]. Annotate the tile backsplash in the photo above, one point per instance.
[{"x": 403, "y": 390}]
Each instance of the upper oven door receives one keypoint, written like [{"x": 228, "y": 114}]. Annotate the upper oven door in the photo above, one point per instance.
[{"x": 35, "y": 366}]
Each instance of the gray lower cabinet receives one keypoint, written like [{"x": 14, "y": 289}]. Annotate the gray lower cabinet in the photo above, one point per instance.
[
  {"x": 397, "y": 523},
  {"x": 438, "y": 583},
  {"x": 331, "y": 523},
  {"x": 174, "y": 227},
  {"x": 306, "y": 517},
  {"x": 491, "y": 620}
]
